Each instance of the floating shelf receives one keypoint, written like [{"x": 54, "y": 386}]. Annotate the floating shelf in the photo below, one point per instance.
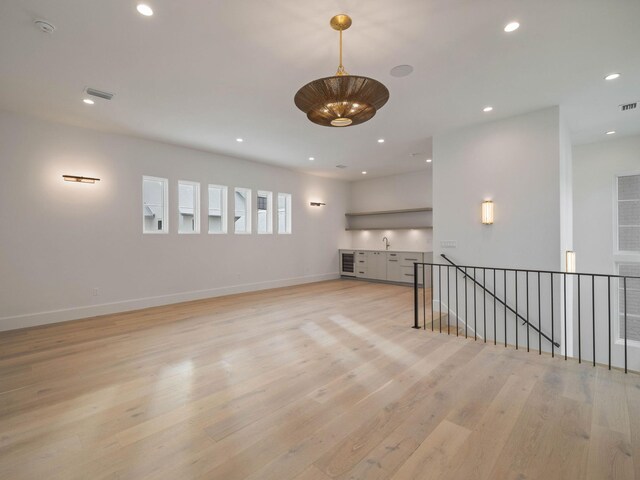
[
  {"x": 389, "y": 212},
  {"x": 389, "y": 228}
]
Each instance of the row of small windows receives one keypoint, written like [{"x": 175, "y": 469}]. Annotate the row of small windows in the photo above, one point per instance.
[{"x": 155, "y": 208}]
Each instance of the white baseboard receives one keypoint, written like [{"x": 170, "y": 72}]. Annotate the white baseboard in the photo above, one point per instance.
[{"x": 75, "y": 313}]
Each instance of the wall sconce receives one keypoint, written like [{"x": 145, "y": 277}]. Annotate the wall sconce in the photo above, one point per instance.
[
  {"x": 316, "y": 204},
  {"x": 570, "y": 261},
  {"x": 487, "y": 212},
  {"x": 75, "y": 178}
]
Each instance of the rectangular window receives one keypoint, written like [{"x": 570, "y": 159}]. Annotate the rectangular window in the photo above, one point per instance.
[
  {"x": 188, "y": 207},
  {"x": 265, "y": 212},
  {"x": 217, "y": 209},
  {"x": 242, "y": 207},
  {"x": 628, "y": 203},
  {"x": 284, "y": 213},
  {"x": 155, "y": 205}
]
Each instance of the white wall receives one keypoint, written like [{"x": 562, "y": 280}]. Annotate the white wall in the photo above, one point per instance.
[
  {"x": 395, "y": 192},
  {"x": 515, "y": 162},
  {"x": 66, "y": 239}
]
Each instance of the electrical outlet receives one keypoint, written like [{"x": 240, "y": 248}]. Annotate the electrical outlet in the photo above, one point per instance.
[
  {"x": 95, "y": 292},
  {"x": 448, "y": 244}
]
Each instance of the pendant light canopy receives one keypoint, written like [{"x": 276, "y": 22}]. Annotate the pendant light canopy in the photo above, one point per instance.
[{"x": 341, "y": 100}]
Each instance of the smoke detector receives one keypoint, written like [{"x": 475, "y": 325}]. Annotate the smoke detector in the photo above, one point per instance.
[{"x": 44, "y": 26}]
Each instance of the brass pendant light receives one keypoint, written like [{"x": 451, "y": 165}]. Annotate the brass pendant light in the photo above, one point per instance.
[{"x": 341, "y": 100}]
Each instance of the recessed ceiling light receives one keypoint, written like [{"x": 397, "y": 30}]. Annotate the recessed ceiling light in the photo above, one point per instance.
[
  {"x": 312, "y": 158},
  {"x": 88, "y": 101},
  {"x": 144, "y": 9},
  {"x": 364, "y": 173},
  {"x": 239, "y": 140},
  {"x": 487, "y": 109},
  {"x": 511, "y": 27},
  {"x": 401, "y": 71},
  {"x": 612, "y": 76},
  {"x": 429, "y": 160},
  {"x": 611, "y": 132},
  {"x": 381, "y": 140}
]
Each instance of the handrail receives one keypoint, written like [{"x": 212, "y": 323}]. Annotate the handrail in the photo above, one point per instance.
[{"x": 524, "y": 320}]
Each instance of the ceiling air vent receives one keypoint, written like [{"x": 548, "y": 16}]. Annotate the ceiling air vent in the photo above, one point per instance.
[
  {"x": 99, "y": 93},
  {"x": 341, "y": 166},
  {"x": 628, "y": 106}
]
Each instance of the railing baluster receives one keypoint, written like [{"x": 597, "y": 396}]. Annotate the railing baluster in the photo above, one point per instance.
[
  {"x": 416, "y": 313},
  {"x": 516, "y": 317},
  {"x": 593, "y": 316},
  {"x": 495, "y": 335},
  {"x": 440, "y": 297},
  {"x": 466, "y": 299},
  {"x": 505, "y": 307},
  {"x": 475, "y": 309},
  {"x": 579, "y": 325},
  {"x": 432, "y": 297},
  {"x": 564, "y": 286},
  {"x": 457, "y": 308},
  {"x": 424, "y": 297},
  {"x": 448, "y": 302},
  {"x": 552, "y": 323},
  {"x": 609, "y": 315},
  {"x": 527, "y": 288},
  {"x": 484, "y": 304},
  {"x": 624, "y": 281},
  {"x": 539, "y": 319}
]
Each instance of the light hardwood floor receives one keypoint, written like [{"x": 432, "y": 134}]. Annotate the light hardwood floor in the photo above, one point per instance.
[{"x": 322, "y": 381}]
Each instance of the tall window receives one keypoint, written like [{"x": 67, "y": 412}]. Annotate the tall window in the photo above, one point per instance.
[
  {"x": 217, "y": 209},
  {"x": 629, "y": 214},
  {"x": 265, "y": 212},
  {"x": 284, "y": 213},
  {"x": 242, "y": 207},
  {"x": 188, "y": 207},
  {"x": 155, "y": 207},
  {"x": 628, "y": 253}
]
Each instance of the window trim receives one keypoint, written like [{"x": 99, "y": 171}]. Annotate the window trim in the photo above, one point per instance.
[
  {"x": 269, "y": 196},
  {"x": 165, "y": 206},
  {"x": 224, "y": 213},
  {"x": 621, "y": 257},
  {"x": 196, "y": 207},
  {"x": 616, "y": 226},
  {"x": 249, "y": 208},
  {"x": 288, "y": 214}
]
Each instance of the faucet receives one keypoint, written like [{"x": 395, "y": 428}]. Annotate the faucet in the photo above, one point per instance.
[{"x": 386, "y": 243}]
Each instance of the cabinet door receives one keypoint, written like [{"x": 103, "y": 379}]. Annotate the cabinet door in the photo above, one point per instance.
[
  {"x": 381, "y": 266},
  {"x": 393, "y": 268}
]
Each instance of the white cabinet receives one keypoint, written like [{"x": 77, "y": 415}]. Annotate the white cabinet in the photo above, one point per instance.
[
  {"x": 377, "y": 265},
  {"x": 388, "y": 266},
  {"x": 361, "y": 264}
]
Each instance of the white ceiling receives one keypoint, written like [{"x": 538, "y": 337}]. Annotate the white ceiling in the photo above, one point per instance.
[{"x": 201, "y": 73}]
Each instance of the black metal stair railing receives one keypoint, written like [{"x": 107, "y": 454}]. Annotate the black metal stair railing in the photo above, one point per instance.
[
  {"x": 499, "y": 300},
  {"x": 547, "y": 295}
]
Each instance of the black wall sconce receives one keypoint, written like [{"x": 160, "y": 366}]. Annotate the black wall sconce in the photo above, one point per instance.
[
  {"x": 75, "y": 178},
  {"x": 316, "y": 204}
]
